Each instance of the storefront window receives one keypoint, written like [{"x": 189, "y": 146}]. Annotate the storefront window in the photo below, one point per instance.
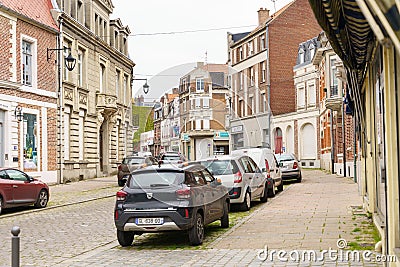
[{"x": 30, "y": 142}]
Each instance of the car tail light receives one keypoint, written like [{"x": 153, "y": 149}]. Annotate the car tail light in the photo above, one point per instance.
[
  {"x": 295, "y": 165},
  {"x": 160, "y": 162},
  {"x": 237, "y": 177},
  {"x": 186, "y": 213},
  {"x": 183, "y": 193},
  {"x": 119, "y": 167},
  {"x": 267, "y": 169},
  {"x": 116, "y": 215},
  {"x": 121, "y": 195},
  {"x": 179, "y": 161}
]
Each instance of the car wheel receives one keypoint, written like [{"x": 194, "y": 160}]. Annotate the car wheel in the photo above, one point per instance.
[
  {"x": 280, "y": 187},
  {"x": 299, "y": 178},
  {"x": 125, "y": 239},
  {"x": 271, "y": 191},
  {"x": 245, "y": 206},
  {"x": 196, "y": 233},
  {"x": 225, "y": 217},
  {"x": 121, "y": 182},
  {"x": 264, "y": 197},
  {"x": 42, "y": 199}
]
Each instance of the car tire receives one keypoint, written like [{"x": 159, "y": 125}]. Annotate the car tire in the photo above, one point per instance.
[
  {"x": 196, "y": 233},
  {"x": 121, "y": 182},
  {"x": 125, "y": 239},
  {"x": 245, "y": 206},
  {"x": 271, "y": 191},
  {"x": 43, "y": 199},
  {"x": 225, "y": 217},
  {"x": 280, "y": 187},
  {"x": 299, "y": 178},
  {"x": 264, "y": 197}
]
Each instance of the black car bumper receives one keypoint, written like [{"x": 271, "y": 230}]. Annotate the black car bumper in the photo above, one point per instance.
[
  {"x": 173, "y": 219},
  {"x": 288, "y": 175}
]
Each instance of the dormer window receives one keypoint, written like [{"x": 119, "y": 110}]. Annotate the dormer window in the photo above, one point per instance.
[
  {"x": 301, "y": 56},
  {"x": 312, "y": 51}
]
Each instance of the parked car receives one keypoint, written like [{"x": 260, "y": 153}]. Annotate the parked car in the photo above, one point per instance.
[
  {"x": 241, "y": 176},
  {"x": 267, "y": 162},
  {"x": 172, "y": 158},
  {"x": 167, "y": 198},
  {"x": 290, "y": 166},
  {"x": 132, "y": 163},
  {"x": 19, "y": 189}
]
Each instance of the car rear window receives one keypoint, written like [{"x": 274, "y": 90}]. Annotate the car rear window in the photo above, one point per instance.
[
  {"x": 133, "y": 161},
  {"x": 285, "y": 158},
  {"x": 171, "y": 157},
  {"x": 221, "y": 167},
  {"x": 156, "y": 179}
]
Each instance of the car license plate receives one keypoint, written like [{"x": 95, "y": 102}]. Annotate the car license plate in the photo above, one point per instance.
[{"x": 142, "y": 221}]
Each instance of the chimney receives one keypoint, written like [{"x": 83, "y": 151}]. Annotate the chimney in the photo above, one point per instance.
[
  {"x": 175, "y": 90},
  {"x": 263, "y": 16}
]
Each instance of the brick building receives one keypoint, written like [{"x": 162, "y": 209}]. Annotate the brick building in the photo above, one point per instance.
[
  {"x": 96, "y": 95},
  {"x": 261, "y": 72},
  {"x": 28, "y": 82},
  {"x": 204, "y": 106}
]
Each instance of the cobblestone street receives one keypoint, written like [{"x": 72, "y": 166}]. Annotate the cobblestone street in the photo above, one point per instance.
[{"x": 312, "y": 215}]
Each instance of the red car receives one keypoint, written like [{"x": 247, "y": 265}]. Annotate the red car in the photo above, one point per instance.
[{"x": 19, "y": 189}]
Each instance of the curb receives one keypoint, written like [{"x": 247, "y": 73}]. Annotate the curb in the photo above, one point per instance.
[{"x": 53, "y": 207}]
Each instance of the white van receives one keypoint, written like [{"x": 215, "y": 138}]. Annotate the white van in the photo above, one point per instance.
[{"x": 266, "y": 161}]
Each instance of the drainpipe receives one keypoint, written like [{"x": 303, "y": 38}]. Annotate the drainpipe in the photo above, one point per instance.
[
  {"x": 268, "y": 138},
  {"x": 344, "y": 137},
  {"x": 61, "y": 103},
  {"x": 354, "y": 149}
]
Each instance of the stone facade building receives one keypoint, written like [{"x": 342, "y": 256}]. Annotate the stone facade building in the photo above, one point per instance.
[
  {"x": 96, "y": 98},
  {"x": 28, "y": 82}
]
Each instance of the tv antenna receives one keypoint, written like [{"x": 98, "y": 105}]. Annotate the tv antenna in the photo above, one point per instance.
[{"x": 273, "y": 1}]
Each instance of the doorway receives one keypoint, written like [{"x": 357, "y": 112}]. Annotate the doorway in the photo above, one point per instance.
[
  {"x": 2, "y": 139},
  {"x": 101, "y": 148}
]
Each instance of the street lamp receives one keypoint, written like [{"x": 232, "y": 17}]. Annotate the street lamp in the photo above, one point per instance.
[
  {"x": 18, "y": 113},
  {"x": 145, "y": 86},
  {"x": 70, "y": 61}
]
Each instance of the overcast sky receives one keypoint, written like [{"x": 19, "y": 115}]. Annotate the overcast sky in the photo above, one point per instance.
[{"x": 172, "y": 55}]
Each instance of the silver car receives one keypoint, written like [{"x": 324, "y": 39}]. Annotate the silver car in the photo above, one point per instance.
[
  {"x": 241, "y": 176},
  {"x": 290, "y": 166}
]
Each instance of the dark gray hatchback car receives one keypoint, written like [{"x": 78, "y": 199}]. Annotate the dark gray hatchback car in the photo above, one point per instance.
[{"x": 168, "y": 198}]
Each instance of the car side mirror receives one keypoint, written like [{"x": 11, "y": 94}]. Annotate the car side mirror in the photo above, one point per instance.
[
  {"x": 280, "y": 165},
  {"x": 30, "y": 179},
  {"x": 218, "y": 181}
]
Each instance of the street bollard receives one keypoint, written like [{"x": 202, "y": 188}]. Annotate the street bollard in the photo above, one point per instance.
[{"x": 15, "y": 246}]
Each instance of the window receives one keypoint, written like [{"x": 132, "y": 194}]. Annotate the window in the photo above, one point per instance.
[
  {"x": 311, "y": 95},
  {"x": 198, "y": 124},
  {"x": 184, "y": 104},
  {"x": 16, "y": 175},
  {"x": 117, "y": 84},
  {"x": 240, "y": 53},
  {"x": 206, "y": 123},
  {"x": 263, "y": 72},
  {"x": 301, "y": 97},
  {"x": 206, "y": 102},
  {"x": 251, "y": 76},
  {"x": 334, "y": 80},
  {"x": 250, "y": 48},
  {"x": 30, "y": 141},
  {"x": 102, "y": 78},
  {"x": 125, "y": 89},
  {"x": 81, "y": 14},
  {"x": 251, "y": 105},
  {"x": 80, "y": 68},
  {"x": 198, "y": 105},
  {"x": 200, "y": 85},
  {"x": 241, "y": 80},
  {"x": 27, "y": 63},
  {"x": 262, "y": 42}
]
